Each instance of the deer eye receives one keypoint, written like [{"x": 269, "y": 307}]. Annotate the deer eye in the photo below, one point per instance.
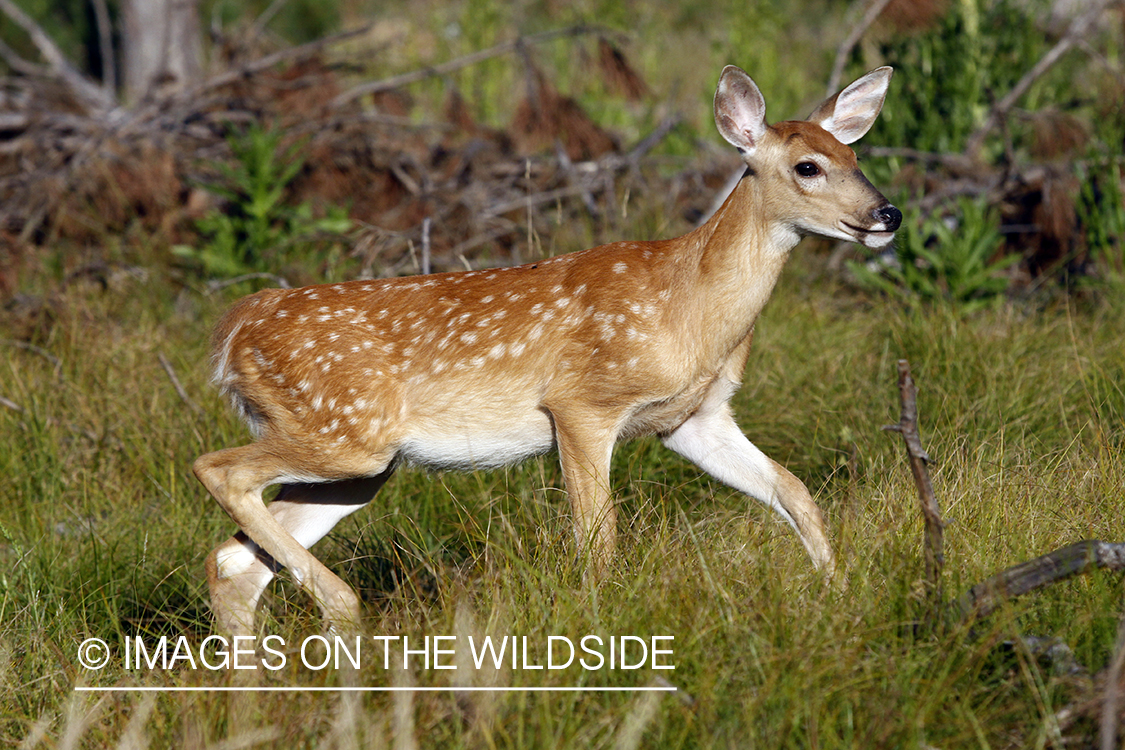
[{"x": 807, "y": 169}]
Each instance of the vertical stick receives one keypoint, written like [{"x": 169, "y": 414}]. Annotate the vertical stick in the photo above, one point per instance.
[
  {"x": 1107, "y": 734},
  {"x": 931, "y": 512}
]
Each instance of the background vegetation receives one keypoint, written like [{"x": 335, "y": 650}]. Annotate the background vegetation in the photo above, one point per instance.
[{"x": 1015, "y": 343}]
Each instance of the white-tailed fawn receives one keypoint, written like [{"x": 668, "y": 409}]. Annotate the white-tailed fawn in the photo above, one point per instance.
[{"x": 341, "y": 383}]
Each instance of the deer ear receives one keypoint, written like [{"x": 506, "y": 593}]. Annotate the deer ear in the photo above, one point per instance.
[
  {"x": 850, "y": 114},
  {"x": 740, "y": 110}
]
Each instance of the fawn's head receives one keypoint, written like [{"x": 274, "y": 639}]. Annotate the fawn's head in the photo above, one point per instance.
[{"x": 808, "y": 174}]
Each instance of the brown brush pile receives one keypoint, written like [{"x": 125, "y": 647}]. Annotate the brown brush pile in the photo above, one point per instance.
[{"x": 76, "y": 178}]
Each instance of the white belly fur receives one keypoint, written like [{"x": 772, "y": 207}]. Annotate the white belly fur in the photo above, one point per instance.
[{"x": 487, "y": 446}]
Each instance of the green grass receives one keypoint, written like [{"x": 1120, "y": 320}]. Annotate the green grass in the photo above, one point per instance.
[
  {"x": 103, "y": 529},
  {"x": 104, "y": 533}
]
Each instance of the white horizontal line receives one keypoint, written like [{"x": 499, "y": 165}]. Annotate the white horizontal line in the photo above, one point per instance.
[{"x": 295, "y": 689}]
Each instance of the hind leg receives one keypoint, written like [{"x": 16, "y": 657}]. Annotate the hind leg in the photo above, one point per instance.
[{"x": 239, "y": 570}]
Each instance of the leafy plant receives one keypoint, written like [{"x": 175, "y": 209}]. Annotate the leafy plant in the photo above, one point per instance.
[
  {"x": 257, "y": 229},
  {"x": 944, "y": 261},
  {"x": 948, "y": 77}
]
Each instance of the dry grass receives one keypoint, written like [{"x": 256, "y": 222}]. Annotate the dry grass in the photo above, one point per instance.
[
  {"x": 103, "y": 530},
  {"x": 104, "y": 534}
]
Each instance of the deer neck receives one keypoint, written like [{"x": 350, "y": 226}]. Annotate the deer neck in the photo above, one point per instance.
[{"x": 739, "y": 254}]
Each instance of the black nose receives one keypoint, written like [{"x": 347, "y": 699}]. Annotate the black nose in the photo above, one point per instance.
[{"x": 890, "y": 216}]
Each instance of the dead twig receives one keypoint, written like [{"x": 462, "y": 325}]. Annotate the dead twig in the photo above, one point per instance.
[
  {"x": 55, "y": 361},
  {"x": 9, "y": 404},
  {"x": 91, "y": 95},
  {"x": 464, "y": 61},
  {"x": 931, "y": 512},
  {"x": 218, "y": 285},
  {"x": 19, "y": 65},
  {"x": 176, "y": 384},
  {"x": 567, "y": 168},
  {"x": 1079, "y": 28},
  {"x": 268, "y": 61},
  {"x": 873, "y": 12},
  {"x": 263, "y": 19}
]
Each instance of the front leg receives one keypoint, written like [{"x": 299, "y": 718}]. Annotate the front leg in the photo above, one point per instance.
[
  {"x": 585, "y": 444},
  {"x": 712, "y": 440}
]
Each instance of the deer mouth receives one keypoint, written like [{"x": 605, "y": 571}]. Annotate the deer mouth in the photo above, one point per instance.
[{"x": 873, "y": 238}]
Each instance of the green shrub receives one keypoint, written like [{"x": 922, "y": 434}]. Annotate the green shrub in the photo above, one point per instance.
[
  {"x": 947, "y": 79},
  {"x": 942, "y": 263},
  {"x": 257, "y": 230}
]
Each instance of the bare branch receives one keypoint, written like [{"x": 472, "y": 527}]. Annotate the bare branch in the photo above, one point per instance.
[
  {"x": 215, "y": 286},
  {"x": 19, "y": 65},
  {"x": 421, "y": 74},
  {"x": 908, "y": 428},
  {"x": 290, "y": 53},
  {"x": 846, "y": 46},
  {"x": 89, "y": 93},
  {"x": 263, "y": 20},
  {"x": 1077, "y": 31}
]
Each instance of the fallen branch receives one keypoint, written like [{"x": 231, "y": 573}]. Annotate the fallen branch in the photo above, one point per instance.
[
  {"x": 931, "y": 512},
  {"x": 1080, "y": 557}
]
